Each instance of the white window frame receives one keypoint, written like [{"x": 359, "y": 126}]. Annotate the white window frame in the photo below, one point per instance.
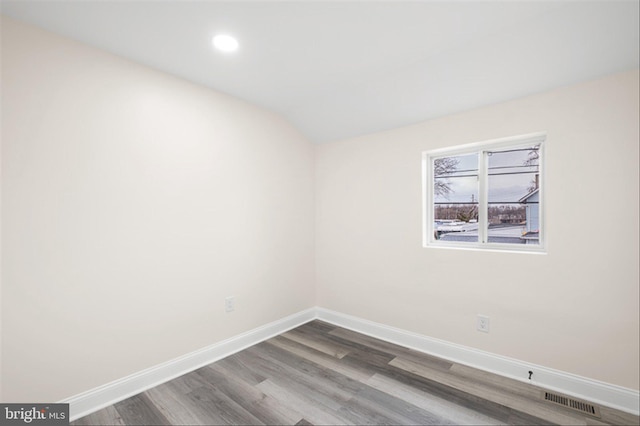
[{"x": 428, "y": 208}]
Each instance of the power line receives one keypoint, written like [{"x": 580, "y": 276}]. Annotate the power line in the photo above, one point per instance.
[{"x": 490, "y": 174}]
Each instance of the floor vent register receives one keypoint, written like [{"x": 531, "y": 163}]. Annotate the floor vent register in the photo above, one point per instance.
[{"x": 574, "y": 404}]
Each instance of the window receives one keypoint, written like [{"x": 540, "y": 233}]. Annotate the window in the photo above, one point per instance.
[{"x": 486, "y": 195}]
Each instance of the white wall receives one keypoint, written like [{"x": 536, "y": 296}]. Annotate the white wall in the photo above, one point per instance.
[
  {"x": 574, "y": 309},
  {"x": 133, "y": 203}
]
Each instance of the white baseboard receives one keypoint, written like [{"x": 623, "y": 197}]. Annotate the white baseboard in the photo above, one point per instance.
[
  {"x": 605, "y": 394},
  {"x": 601, "y": 393},
  {"x": 103, "y": 396}
]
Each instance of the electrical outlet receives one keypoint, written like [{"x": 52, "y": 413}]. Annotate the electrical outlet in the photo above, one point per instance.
[
  {"x": 482, "y": 323},
  {"x": 230, "y": 304}
]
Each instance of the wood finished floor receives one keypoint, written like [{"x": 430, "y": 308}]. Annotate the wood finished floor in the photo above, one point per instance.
[{"x": 322, "y": 374}]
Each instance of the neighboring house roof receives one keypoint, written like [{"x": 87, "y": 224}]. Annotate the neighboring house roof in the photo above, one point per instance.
[
  {"x": 457, "y": 236},
  {"x": 529, "y": 195}
]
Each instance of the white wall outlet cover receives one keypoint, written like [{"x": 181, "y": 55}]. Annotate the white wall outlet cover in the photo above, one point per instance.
[
  {"x": 482, "y": 323},
  {"x": 229, "y": 304}
]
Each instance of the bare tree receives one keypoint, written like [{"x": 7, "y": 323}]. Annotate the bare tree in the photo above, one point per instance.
[
  {"x": 442, "y": 167},
  {"x": 467, "y": 213},
  {"x": 532, "y": 160}
]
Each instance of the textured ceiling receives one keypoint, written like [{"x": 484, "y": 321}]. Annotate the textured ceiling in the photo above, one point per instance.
[{"x": 340, "y": 69}]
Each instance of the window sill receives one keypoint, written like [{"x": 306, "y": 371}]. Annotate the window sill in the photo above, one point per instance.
[{"x": 496, "y": 248}]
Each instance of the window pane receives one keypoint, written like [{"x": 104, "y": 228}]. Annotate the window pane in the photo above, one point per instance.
[
  {"x": 513, "y": 189},
  {"x": 455, "y": 189}
]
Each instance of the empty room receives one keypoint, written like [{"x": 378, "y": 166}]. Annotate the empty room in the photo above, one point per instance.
[{"x": 319, "y": 212}]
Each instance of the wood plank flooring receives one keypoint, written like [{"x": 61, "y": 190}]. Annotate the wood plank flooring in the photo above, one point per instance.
[{"x": 321, "y": 374}]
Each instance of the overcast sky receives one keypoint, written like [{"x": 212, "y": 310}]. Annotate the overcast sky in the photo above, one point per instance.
[{"x": 502, "y": 187}]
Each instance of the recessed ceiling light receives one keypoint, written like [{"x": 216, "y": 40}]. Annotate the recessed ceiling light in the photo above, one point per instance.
[{"x": 225, "y": 43}]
